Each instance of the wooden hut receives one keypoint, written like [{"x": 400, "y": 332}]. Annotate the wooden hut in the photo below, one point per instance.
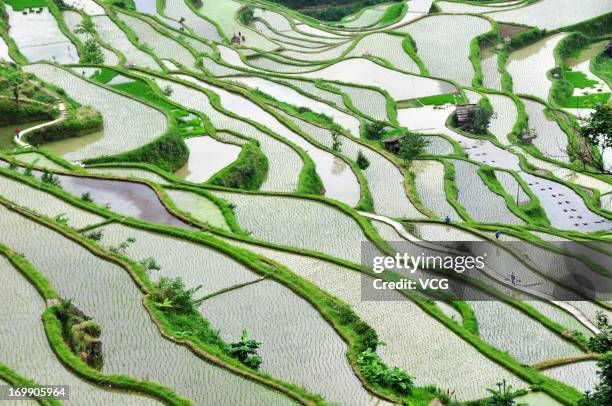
[
  {"x": 235, "y": 40},
  {"x": 393, "y": 144},
  {"x": 465, "y": 116},
  {"x": 526, "y": 137}
]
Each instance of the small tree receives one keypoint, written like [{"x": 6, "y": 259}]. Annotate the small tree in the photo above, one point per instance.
[
  {"x": 601, "y": 342},
  {"x": 245, "y": 351},
  {"x": 481, "y": 117},
  {"x": 247, "y": 14},
  {"x": 93, "y": 52},
  {"x": 603, "y": 391},
  {"x": 95, "y": 235},
  {"x": 85, "y": 27},
  {"x": 86, "y": 197},
  {"x": 362, "y": 161},
  {"x": 16, "y": 80},
  {"x": 337, "y": 144},
  {"x": 168, "y": 91},
  {"x": 412, "y": 145},
  {"x": 172, "y": 294},
  {"x": 150, "y": 264},
  {"x": 597, "y": 131},
  {"x": 50, "y": 178},
  {"x": 503, "y": 395},
  {"x": 374, "y": 130}
]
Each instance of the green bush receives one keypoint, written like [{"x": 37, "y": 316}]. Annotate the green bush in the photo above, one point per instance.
[
  {"x": 378, "y": 373},
  {"x": 482, "y": 117},
  {"x": 248, "y": 172},
  {"x": 374, "y": 130},
  {"x": 245, "y": 351},
  {"x": 602, "y": 342},
  {"x": 169, "y": 152},
  {"x": 10, "y": 113},
  {"x": 171, "y": 294},
  {"x": 362, "y": 161},
  {"x": 246, "y": 15},
  {"x": 81, "y": 122}
]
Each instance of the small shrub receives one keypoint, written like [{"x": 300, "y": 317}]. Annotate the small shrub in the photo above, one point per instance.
[
  {"x": 150, "y": 264},
  {"x": 362, "y": 161},
  {"x": 337, "y": 144},
  {"x": 374, "y": 130},
  {"x": 602, "y": 342},
  {"x": 95, "y": 235},
  {"x": 86, "y": 197},
  {"x": 374, "y": 370},
  {"x": 61, "y": 218},
  {"x": 412, "y": 146},
  {"x": 50, "y": 178},
  {"x": 246, "y": 15},
  {"x": 245, "y": 351},
  {"x": 171, "y": 294},
  {"x": 503, "y": 395}
]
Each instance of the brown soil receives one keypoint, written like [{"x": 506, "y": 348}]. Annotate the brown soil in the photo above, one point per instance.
[{"x": 510, "y": 30}]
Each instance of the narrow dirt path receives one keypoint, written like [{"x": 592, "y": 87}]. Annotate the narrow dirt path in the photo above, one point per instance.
[{"x": 63, "y": 115}]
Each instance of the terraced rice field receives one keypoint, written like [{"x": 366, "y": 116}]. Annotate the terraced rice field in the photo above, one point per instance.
[
  {"x": 72, "y": 20},
  {"x": 429, "y": 182},
  {"x": 504, "y": 119},
  {"x": 550, "y": 140},
  {"x": 530, "y": 64},
  {"x": 487, "y": 207},
  {"x": 392, "y": 320},
  {"x": 259, "y": 292},
  {"x": 293, "y": 97},
  {"x": 207, "y": 156},
  {"x": 385, "y": 180},
  {"x": 4, "y": 51},
  {"x": 490, "y": 69},
  {"x": 177, "y": 10},
  {"x": 20, "y": 325},
  {"x": 111, "y": 34},
  {"x": 339, "y": 180},
  {"x": 128, "y": 173},
  {"x": 293, "y": 331},
  {"x": 393, "y": 52},
  {"x": 46, "y": 43},
  {"x": 524, "y": 338},
  {"x": 223, "y": 12},
  {"x": 287, "y": 164},
  {"x": 400, "y": 86},
  {"x": 133, "y": 345},
  {"x": 119, "y": 112},
  {"x": 333, "y": 233},
  {"x": 581, "y": 375},
  {"x": 216, "y": 271},
  {"x": 436, "y": 54},
  {"x": 545, "y": 14},
  {"x": 45, "y": 204},
  {"x": 159, "y": 43},
  {"x": 198, "y": 207}
]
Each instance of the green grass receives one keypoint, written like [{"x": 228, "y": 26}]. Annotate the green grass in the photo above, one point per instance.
[
  {"x": 438, "y": 99},
  {"x": 247, "y": 172},
  {"x": 392, "y": 13},
  {"x": 104, "y": 75},
  {"x": 579, "y": 80},
  {"x": 19, "y": 5},
  {"x": 586, "y": 101},
  {"x": 142, "y": 91}
]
